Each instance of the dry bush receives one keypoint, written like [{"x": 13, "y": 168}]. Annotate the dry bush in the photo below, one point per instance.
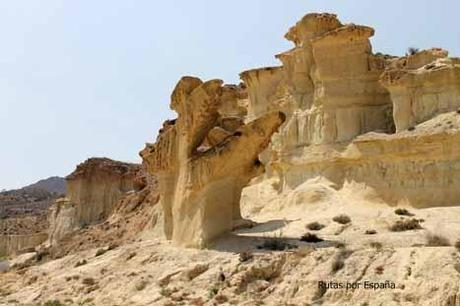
[
  {"x": 457, "y": 267},
  {"x": 342, "y": 219},
  {"x": 339, "y": 261},
  {"x": 53, "y": 303},
  {"x": 89, "y": 281},
  {"x": 81, "y": 263},
  {"x": 309, "y": 237},
  {"x": 412, "y": 51},
  {"x": 436, "y": 240},
  {"x": 245, "y": 256},
  {"x": 457, "y": 245},
  {"x": 405, "y": 225},
  {"x": 315, "y": 226},
  {"x": 100, "y": 252},
  {"x": 141, "y": 285},
  {"x": 379, "y": 270},
  {"x": 276, "y": 244},
  {"x": 376, "y": 245},
  {"x": 370, "y": 232},
  {"x": 403, "y": 212}
]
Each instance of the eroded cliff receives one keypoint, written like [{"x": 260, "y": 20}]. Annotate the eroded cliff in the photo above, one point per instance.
[
  {"x": 93, "y": 189},
  {"x": 334, "y": 89}
]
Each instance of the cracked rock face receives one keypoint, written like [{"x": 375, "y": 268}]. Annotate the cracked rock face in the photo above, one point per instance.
[{"x": 204, "y": 158}]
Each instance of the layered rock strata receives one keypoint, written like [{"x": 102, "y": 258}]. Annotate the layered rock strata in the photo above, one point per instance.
[{"x": 333, "y": 89}]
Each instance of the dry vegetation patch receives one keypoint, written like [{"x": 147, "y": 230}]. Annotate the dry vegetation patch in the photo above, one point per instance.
[
  {"x": 405, "y": 225},
  {"x": 342, "y": 219}
]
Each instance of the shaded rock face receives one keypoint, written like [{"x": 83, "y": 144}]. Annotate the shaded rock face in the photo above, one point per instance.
[
  {"x": 204, "y": 158},
  {"x": 93, "y": 189}
]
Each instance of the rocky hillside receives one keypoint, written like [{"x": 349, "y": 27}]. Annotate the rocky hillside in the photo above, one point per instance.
[{"x": 31, "y": 200}]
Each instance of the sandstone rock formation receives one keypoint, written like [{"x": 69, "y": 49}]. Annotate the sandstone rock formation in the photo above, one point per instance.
[
  {"x": 92, "y": 191},
  {"x": 423, "y": 85},
  {"x": 333, "y": 89},
  {"x": 204, "y": 158}
]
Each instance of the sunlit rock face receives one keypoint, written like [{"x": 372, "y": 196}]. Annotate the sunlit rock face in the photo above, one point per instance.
[
  {"x": 335, "y": 91},
  {"x": 204, "y": 158},
  {"x": 422, "y": 85}
]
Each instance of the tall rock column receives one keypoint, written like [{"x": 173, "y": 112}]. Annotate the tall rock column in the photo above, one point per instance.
[{"x": 202, "y": 165}]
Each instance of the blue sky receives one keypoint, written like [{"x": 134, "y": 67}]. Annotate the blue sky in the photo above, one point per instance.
[{"x": 93, "y": 78}]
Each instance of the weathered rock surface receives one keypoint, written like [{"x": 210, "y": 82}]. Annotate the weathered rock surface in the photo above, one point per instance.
[
  {"x": 93, "y": 189},
  {"x": 425, "y": 84},
  {"x": 203, "y": 159},
  {"x": 334, "y": 90}
]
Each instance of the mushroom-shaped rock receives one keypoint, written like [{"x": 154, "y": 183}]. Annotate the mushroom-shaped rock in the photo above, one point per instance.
[{"x": 200, "y": 180}]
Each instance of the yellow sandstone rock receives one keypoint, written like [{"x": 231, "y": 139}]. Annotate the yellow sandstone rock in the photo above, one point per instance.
[{"x": 202, "y": 161}]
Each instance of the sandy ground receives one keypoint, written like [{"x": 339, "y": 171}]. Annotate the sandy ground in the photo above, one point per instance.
[{"x": 154, "y": 272}]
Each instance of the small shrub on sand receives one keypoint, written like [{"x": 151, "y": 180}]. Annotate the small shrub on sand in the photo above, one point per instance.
[
  {"x": 457, "y": 245},
  {"x": 245, "y": 256},
  {"x": 405, "y": 225},
  {"x": 457, "y": 267},
  {"x": 436, "y": 240},
  {"x": 141, "y": 285},
  {"x": 276, "y": 244},
  {"x": 379, "y": 270},
  {"x": 53, "y": 303},
  {"x": 81, "y": 263},
  {"x": 370, "y": 232},
  {"x": 100, "y": 252},
  {"x": 376, "y": 245},
  {"x": 403, "y": 212},
  {"x": 342, "y": 219},
  {"x": 315, "y": 226},
  {"x": 89, "y": 281},
  {"x": 309, "y": 237},
  {"x": 339, "y": 261}
]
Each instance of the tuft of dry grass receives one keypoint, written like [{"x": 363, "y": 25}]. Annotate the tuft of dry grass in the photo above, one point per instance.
[
  {"x": 370, "y": 232},
  {"x": 405, "y": 225},
  {"x": 436, "y": 240},
  {"x": 310, "y": 237},
  {"x": 315, "y": 226},
  {"x": 342, "y": 219}
]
